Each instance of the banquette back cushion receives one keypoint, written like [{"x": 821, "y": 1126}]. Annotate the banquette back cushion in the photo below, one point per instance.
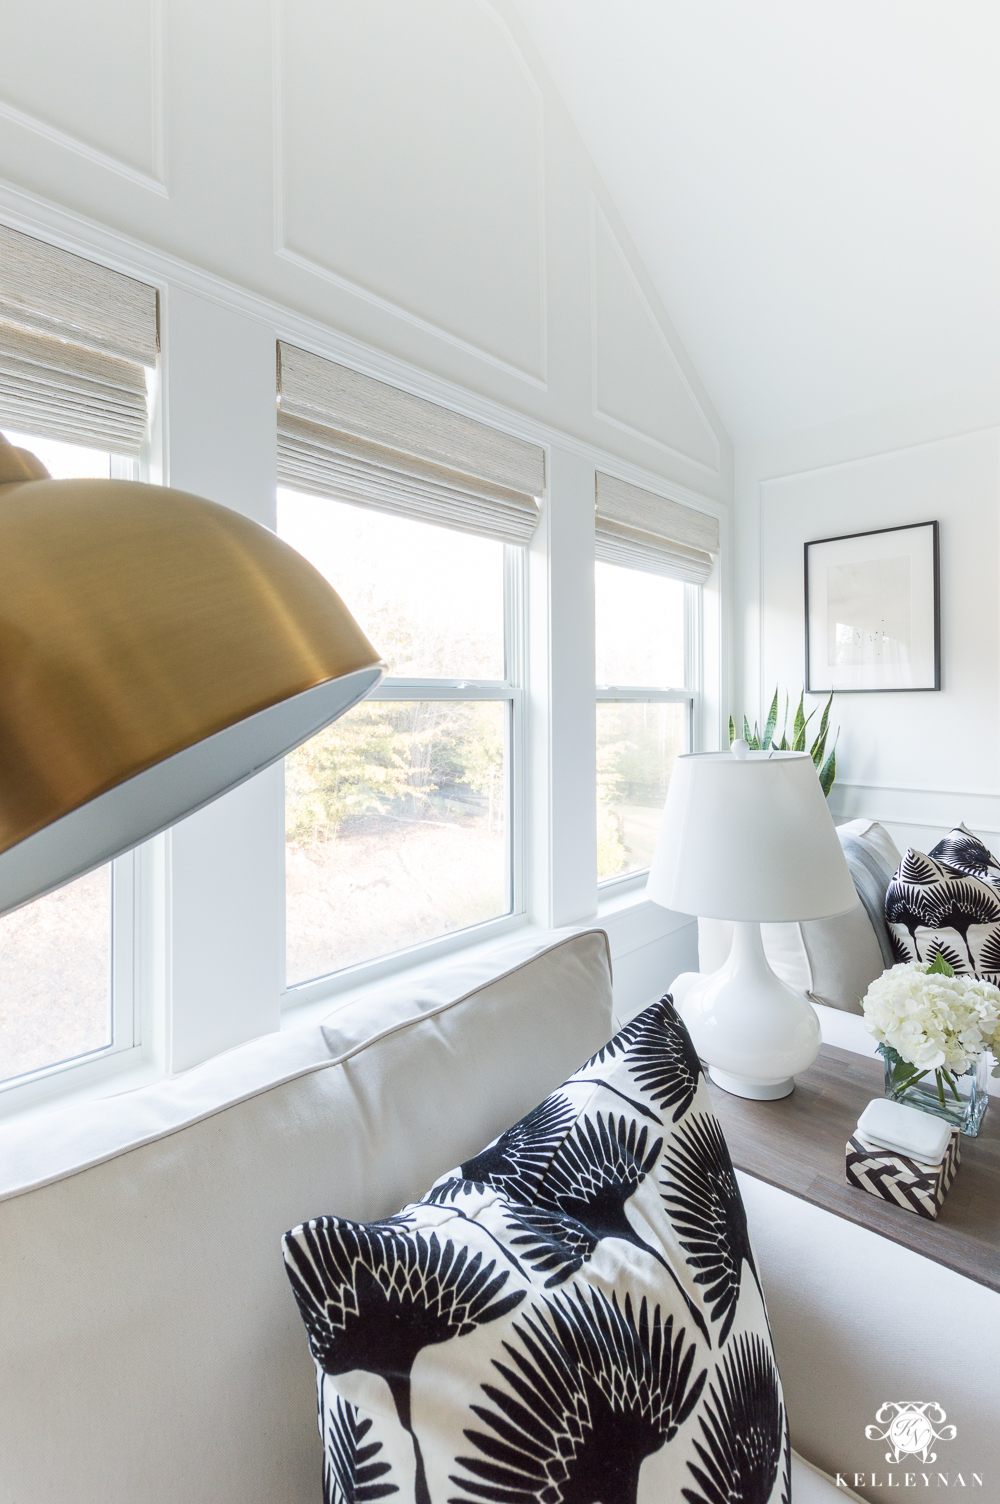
[{"x": 151, "y": 1345}]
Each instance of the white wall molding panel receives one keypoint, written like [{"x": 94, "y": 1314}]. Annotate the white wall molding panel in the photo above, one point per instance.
[
  {"x": 403, "y": 182},
  {"x": 639, "y": 384},
  {"x": 437, "y": 212},
  {"x": 919, "y": 817},
  {"x": 82, "y": 236},
  {"x": 924, "y": 761},
  {"x": 89, "y": 81}
]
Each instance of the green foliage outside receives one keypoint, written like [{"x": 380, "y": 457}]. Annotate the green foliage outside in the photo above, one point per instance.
[
  {"x": 637, "y": 744},
  {"x": 825, "y": 764},
  {"x": 406, "y": 760},
  {"x": 610, "y": 846},
  {"x": 401, "y": 759}
]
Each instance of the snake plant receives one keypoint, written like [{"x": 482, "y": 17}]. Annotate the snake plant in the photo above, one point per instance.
[{"x": 826, "y": 763}]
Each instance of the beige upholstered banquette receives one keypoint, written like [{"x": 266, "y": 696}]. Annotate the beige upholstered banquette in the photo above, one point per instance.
[{"x": 152, "y": 1352}]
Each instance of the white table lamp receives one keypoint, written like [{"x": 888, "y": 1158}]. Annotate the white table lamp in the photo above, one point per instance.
[{"x": 747, "y": 836}]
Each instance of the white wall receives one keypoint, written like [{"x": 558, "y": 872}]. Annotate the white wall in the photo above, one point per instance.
[
  {"x": 403, "y": 174},
  {"x": 397, "y": 186},
  {"x": 921, "y": 762}
]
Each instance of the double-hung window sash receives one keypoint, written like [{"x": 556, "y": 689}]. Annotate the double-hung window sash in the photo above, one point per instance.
[
  {"x": 76, "y": 340},
  {"x": 350, "y": 438},
  {"x": 642, "y": 726}
]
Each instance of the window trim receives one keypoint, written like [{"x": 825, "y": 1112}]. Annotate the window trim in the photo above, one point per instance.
[
  {"x": 511, "y": 692},
  {"x": 125, "y": 992}
]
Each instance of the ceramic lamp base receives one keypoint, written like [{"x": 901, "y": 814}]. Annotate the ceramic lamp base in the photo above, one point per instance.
[
  {"x": 757, "y": 1091},
  {"x": 752, "y": 1031}
]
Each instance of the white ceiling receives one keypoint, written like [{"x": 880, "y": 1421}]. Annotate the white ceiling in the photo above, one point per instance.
[{"x": 813, "y": 186}]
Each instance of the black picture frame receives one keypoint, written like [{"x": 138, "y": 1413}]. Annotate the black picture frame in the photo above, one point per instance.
[{"x": 934, "y": 626}]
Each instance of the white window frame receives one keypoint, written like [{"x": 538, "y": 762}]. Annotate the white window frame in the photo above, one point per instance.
[
  {"x": 125, "y": 994},
  {"x": 509, "y": 691},
  {"x": 689, "y": 695}
]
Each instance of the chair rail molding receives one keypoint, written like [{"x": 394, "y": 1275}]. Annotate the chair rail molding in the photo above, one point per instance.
[{"x": 929, "y": 808}]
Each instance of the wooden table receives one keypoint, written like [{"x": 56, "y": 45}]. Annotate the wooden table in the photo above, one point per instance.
[{"x": 798, "y": 1145}]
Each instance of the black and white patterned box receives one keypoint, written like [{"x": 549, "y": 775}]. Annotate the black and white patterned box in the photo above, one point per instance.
[{"x": 905, "y": 1182}]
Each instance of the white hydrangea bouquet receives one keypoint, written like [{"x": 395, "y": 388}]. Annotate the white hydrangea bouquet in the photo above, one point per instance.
[{"x": 928, "y": 1020}]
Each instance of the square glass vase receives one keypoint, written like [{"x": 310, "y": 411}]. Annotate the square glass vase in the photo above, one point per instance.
[{"x": 963, "y": 1106}]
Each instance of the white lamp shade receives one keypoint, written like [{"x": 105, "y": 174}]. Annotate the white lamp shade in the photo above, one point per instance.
[{"x": 749, "y": 839}]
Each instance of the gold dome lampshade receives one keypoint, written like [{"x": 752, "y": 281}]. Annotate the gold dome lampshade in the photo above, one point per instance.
[{"x": 156, "y": 650}]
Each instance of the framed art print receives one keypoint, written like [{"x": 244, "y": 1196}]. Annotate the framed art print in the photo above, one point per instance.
[{"x": 873, "y": 618}]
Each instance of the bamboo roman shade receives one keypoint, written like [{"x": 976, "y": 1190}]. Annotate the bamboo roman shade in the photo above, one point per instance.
[
  {"x": 639, "y": 530},
  {"x": 348, "y": 436},
  {"x": 75, "y": 339}
]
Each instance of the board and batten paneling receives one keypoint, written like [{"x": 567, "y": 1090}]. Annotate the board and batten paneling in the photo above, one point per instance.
[
  {"x": 404, "y": 175},
  {"x": 639, "y": 383},
  {"x": 398, "y": 188},
  {"x": 444, "y": 224},
  {"x": 925, "y": 760},
  {"x": 89, "y": 79}
]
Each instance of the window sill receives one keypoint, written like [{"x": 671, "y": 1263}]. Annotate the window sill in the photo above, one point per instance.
[
  {"x": 108, "y": 1076},
  {"x": 338, "y": 991},
  {"x": 633, "y": 920},
  {"x": 629, "y": 918}
]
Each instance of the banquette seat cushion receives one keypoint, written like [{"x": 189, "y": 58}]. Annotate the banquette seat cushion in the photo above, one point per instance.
[{"x": 152, "y": 1348}]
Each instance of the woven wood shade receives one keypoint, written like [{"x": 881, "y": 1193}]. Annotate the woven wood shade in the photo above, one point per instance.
[
  {"x": 75, "y": 339},
  {"x": 640, "y": 530},
  {"x": 348, "y": 436}
]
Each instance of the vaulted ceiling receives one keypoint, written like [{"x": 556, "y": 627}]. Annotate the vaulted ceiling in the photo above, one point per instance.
[{"x": 814, "y": 186}]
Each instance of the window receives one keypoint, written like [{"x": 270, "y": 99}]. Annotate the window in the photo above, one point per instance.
[
  {"x": 644, "y": 709},
  {"x": 398, "y": 825},
  {"x": 65, "y": 960}
]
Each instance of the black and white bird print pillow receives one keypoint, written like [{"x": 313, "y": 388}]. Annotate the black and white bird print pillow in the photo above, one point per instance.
[
  {"x": 574, "y": 1316},
  {"x": 948, "y": 904}
]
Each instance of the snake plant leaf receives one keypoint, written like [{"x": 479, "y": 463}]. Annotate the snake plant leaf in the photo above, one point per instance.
[
  {"x": 828, "y": 772},
  {"x": 826, "y": 766},
  {"x": 801, "y": 725},
  {"x": 770, "y": 723}
]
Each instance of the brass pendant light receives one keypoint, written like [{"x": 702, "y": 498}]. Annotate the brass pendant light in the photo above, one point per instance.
[{"x": 156, "y": 650}]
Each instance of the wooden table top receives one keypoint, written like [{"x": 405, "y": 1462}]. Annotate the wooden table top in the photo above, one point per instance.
[{"x": 798, "y": 1144}]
